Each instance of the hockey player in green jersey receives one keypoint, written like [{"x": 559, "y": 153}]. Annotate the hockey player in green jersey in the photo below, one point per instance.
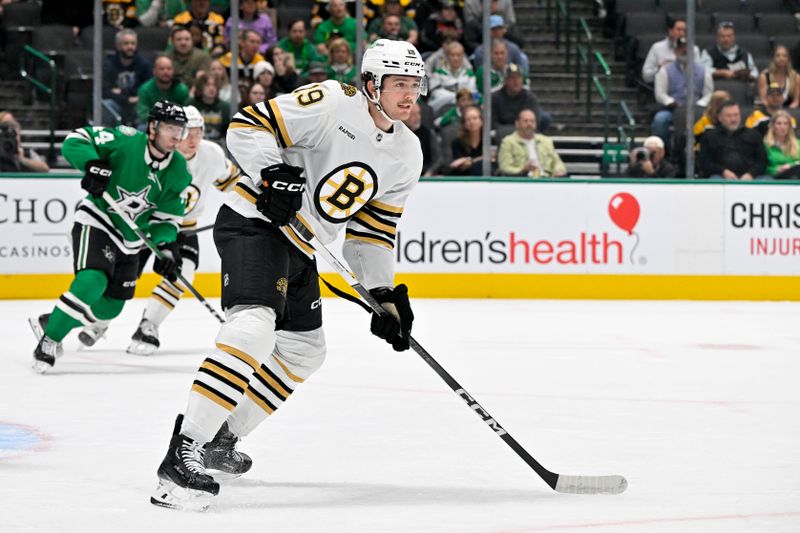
[{"x": 147, "y": 178}]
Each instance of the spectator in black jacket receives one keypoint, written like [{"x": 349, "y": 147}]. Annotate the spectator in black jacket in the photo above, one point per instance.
[
  {"x": 512, "y": 98},
  {"x": 730, "y": 150},
  {"x": 123, "y": 74}
]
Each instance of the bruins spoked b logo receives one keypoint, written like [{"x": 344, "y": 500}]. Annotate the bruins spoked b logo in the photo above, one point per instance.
[{"x": 345, "y": 190}]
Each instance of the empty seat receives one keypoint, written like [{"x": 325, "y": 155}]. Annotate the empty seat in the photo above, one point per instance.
[
  {"x": 739, "y": 90},
  {"x": 22, "y": 14},
  {"x": 766, "y": 6},
  {"x": 778, "y": 23},
  {"x": 703, "y": 22},
  {"x": 756, "y": 43},
  {"x": 628, "y": 6},
  {"x": 152, "y": 38},
  {"x": 710, "y": 6},
  {"x": 640, "y": 23},
  {"x": 109, "y": 37},
  {"x": 54, "y": 39}
]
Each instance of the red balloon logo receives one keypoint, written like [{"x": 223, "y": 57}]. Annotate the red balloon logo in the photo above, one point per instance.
[{"x": 623, "y": 209}]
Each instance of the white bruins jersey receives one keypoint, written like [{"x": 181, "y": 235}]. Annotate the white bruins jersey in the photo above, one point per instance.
[
  {"x": 208, "y": 166},
  {"x": 357, "y": 176}
]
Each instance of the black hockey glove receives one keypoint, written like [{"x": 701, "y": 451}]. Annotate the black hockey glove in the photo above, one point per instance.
[
  {"x": 394, "y": 326},
  {"x": 96, "y": 178},
  {"x": 283, "y": 193},
  {"x": 170, "y": 264}
]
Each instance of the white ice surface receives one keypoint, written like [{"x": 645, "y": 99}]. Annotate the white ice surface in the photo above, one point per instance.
[{"x": 695, "y": 403}]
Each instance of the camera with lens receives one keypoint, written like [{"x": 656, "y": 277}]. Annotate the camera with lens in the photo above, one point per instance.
[
  {"x": 641, "y": 155},
  {"x": 9, "y": 157}
]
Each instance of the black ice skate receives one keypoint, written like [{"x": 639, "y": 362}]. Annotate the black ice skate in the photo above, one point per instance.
[
  {"x": 221, "y": 455},
  {"x": 45, "y": 354},
  {"x": 182, "y": 479},
  {"x": 145, "y": 339},
  {"x": 91, "y": 334}
]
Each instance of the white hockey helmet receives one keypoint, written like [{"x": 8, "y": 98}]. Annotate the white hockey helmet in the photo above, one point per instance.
[
  {"x": 193, "y": 118},
  {"x": 385, "y": 57}
]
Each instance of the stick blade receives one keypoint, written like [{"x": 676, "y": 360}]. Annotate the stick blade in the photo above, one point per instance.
[{"x": 591, "y": 484}]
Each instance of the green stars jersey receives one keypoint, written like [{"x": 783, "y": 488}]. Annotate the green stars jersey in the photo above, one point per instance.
[{"x": 149, "y": 191}]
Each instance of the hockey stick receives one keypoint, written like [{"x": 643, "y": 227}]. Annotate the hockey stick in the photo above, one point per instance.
[
  {"x": 139, "y": 233},
  {"x": 195, "y": 231},
  {"x": 613, "y": 484}
]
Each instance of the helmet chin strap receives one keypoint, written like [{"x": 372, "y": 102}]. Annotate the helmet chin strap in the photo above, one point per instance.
[{"x": 376, "y": 101}]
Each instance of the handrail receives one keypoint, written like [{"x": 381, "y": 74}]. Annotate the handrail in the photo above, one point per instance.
[
  {"x": 586, "y": 56},
  {"x": 563, "y": 11},
  {"x": 49, "y": 91},
  {"x": 623, "y": 110}
]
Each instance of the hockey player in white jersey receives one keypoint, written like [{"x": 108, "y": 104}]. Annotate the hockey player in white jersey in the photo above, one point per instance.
[
  {"x": 338, "y": 159},
  {"x": 208, "y": 166}
]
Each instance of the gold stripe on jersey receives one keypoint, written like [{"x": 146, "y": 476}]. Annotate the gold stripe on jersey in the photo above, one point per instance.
[
  {"x": 386, "y": 209},
  {"x": 249, "y": 360},
  {"x": 288, "y": 372},
  {"x": 260, "y": 401},
  {"x": 227, "y": 375},
  {"x": 258, "y": 118},
  {"x": 277, "y": 120},
  {"x": 245, "y": 193},
  {"x": 302, "y": 244},
  {"x": 374, "y": 223},
  {"x": 219, "y": 399},
  {"x": 223, "y": 184},
  {"x": 272, "y": 383}
]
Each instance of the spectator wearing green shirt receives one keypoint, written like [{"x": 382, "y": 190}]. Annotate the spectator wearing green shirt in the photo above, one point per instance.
[
  {"x": 297, "y": 44},
  {"x": 162, "y": 86},
  {"x": 783, "y": 154},
  {"x": 409, "y": 31},
  {"x": 339, "y": 23},
  {"x": 340, "y": 63}
]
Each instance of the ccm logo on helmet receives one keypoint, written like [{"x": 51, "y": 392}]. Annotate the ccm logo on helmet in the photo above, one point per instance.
[{"x": 291, "y": 187}]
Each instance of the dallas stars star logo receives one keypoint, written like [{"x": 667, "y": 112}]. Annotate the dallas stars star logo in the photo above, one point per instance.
[{"x": 134, "y": 204}]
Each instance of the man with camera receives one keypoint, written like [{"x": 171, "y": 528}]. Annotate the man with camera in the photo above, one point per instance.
[
  {"x": 648, "y": 161},
  {"x": 13, "y": 157}
]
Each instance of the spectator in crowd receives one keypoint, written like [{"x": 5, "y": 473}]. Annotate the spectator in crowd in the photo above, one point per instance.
[
  {"x": 340, "y": 62},
  {"x": 512, "y": 98},
  {"x": 286, "y": 77},
  {"x": 467, "y": 147},
  {"x": 759, "y": 119},
  {"x": 216, "y": 113},
  {"x": 390, "y": 28},
  {"x": 408, "y": 30},
  {"x": 251, "y": 19},
  {"x": 515, "y": 55},
  {"x": 223, "y": 83},
  {"x": 454, "y": 73},
  {"x": 464, "y": 98},
  {"x": 499, "y": 64},
  {"x": 297, "y": 44},
  {"x": 210, "y": 25},
  {"x": 340, "y": 23},
  {"x": 473, "y": 10},
  {"x": 321, "y": 11},
  {"x": 730, "y": 150},
  {"x": 162, "y": 86},
  {"x": 443, "y": 24},
  {"x": 473, "y": 23},
  {"x": 374, "y": 9},
  {"x": 780, "y": 73},
  {"x": 249, "y": 43},
  {"x": 649, "y": 161},
  {"x": 119, "y": 13},
  {"x": 431, "y": 151},
  {"x": 255, "y": 94},
  {"x": 264, "y": 74},
  {"x": 728, "y": 61},
  {"x": 317, "y": 72},
  {"x": 528, "y": 153},
  {"x": 123, "y": 73},
  {"x": 663, "y": 52},
  {"x": 13, "y": 157},
  {"x": 158, "y": 12},
  {"x": 672, "y": 86},
  {"x": 783, "y": 156},
  {"x": 186, "y": 59},
  {"x": 708, "y": 119}
]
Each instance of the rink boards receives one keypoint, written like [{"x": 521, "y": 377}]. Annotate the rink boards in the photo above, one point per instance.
[{"x": 501, "y": 239}]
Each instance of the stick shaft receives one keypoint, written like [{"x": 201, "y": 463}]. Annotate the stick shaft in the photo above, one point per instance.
[{"x": 139, "y": 233}]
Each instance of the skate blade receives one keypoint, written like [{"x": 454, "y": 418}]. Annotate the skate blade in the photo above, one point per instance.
[
  {"x": 37, "y": 329},
  {"x": 140, "y": 348},
  {"x": 173, "y": 496},
  {"x": 40, "y": 367},
  {"x": 221, "y": 475}
]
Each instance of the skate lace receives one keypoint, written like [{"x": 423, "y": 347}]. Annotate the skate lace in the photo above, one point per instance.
[
  {"x": 192, "y": 454},
  {"x": 148, "y": 328}
]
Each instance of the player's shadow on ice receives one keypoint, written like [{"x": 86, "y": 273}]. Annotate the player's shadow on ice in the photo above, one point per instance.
[{"x": 304, "y": 495}]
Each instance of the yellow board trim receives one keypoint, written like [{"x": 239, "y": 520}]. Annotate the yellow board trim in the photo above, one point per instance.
[
  {"x": 213, "y": 397},
  {"x": 522, "y": 286}
]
